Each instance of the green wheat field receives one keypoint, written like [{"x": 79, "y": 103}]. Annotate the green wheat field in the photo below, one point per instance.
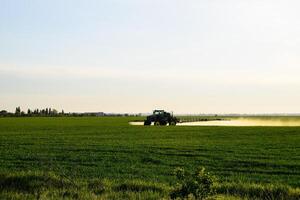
[{"x": 106, "y": 158}]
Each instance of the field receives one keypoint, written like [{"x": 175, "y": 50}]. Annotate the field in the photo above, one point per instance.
[{"x": 105, "y": 158}]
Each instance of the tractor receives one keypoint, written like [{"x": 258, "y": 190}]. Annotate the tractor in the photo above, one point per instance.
[{"x": 161, "y": 118}]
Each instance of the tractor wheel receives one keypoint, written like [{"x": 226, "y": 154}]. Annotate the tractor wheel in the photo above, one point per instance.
[
  {"x": 147, "y": 123},
  {"x": 163, "y": 123},
  {"x": 156, "y": 123},
  {"x": 172, "y": 123}
]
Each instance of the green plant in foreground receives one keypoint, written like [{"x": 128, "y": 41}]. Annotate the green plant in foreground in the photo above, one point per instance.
[{"x": 198, "y": 185}]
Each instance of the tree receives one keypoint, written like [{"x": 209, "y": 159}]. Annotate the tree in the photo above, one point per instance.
[
  {"x": 18, "y": 111},
  {"x": 54, "y": 112},
  {"x": 37, "y": 111},
  {"x": 3, "y": 112},
  {"x": 22, "y": 113}
]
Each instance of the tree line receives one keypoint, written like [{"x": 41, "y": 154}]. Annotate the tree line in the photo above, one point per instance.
[
  {"x": 32, "y": 112},
  {"x": 51, "y": 112}
]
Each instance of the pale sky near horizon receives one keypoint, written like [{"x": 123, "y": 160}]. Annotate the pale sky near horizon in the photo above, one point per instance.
[{"x": 209, "y": 56}]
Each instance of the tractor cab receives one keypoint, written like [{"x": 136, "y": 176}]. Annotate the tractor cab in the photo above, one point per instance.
[{"x": 158, "y": 112}]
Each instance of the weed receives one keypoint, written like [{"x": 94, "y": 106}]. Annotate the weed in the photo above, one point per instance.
[{"x": 199, "y": 184}]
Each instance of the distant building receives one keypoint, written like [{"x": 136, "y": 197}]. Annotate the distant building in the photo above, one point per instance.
[{"x": 100, "y": 114}]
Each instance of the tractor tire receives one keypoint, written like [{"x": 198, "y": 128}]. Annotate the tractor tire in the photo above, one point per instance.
[
  {"x": 156, "y": 123},
  {"x": 147, "y": 123},
  {"x": 163, "y": 123},
  {"x": 172, "y": 123}
]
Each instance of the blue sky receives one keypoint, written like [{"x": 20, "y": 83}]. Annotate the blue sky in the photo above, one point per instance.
[{"x": 213, "y": 56}]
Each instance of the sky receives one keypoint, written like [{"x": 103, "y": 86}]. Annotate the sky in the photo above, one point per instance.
[{"x": 208, "y": 56}]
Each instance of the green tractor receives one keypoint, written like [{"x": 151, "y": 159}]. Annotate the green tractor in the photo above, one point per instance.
[{"x": 161, "y": 118}]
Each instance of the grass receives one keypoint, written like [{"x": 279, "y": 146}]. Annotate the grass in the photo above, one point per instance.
[
  {"x": 32, "y": 185},
  {"x": 105, "y": 158}
]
